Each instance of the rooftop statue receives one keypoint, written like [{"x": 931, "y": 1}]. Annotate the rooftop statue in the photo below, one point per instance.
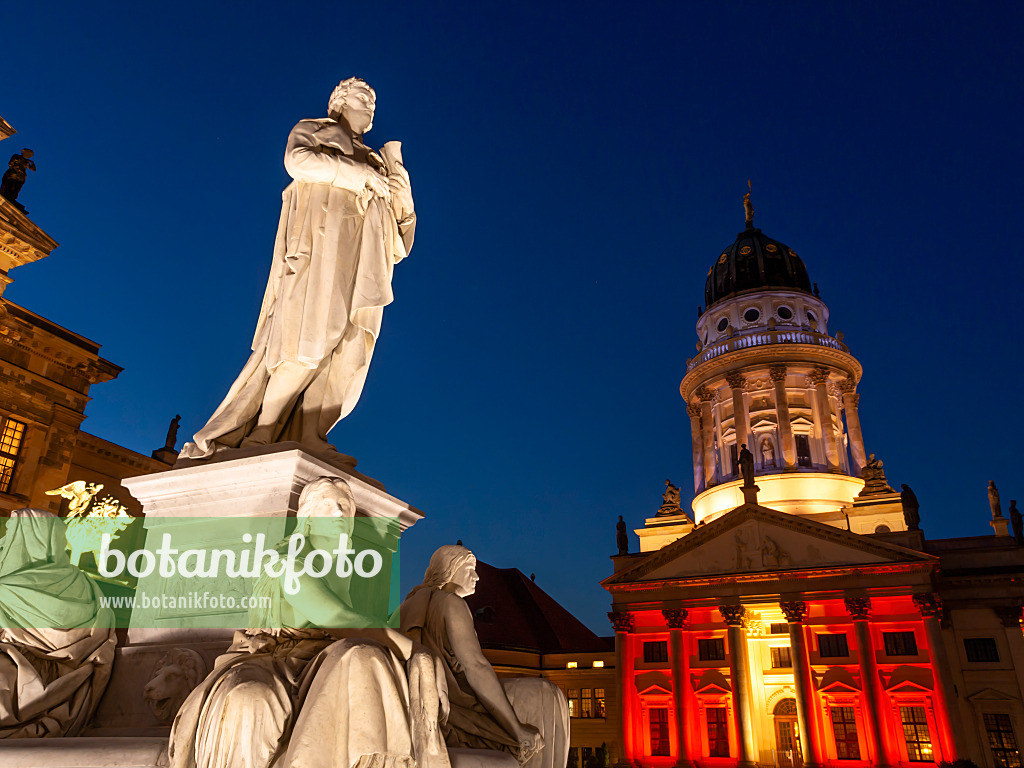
[
  {"x": 15, "y": 175},
  {"x": 56, "y": 641},
  {"x": 993, "y": 500},
  {"x": 746, "y": 461},
  {"x": 293, "y": 692},
  {"x": 670, "y": 500},
  {"x": 911, "y": 507},
  {"x": 346, "y": 220},
  {"x": 1017, "y": 521},
  {"x": 526, "y": 717},
  {"x": 874, "y": 478},
  {"x": 621, "y": 537}
]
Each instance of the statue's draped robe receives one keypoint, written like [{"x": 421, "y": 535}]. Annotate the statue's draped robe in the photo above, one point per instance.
[
  {"x": 56, "y": 641},
  {"x": 336, "y": 248},
  {"x": 535, "y": 701}
]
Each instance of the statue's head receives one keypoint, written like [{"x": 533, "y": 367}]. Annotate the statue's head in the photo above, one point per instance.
[
  {"x": 452, "y": 566},
  {"x": 326, "y": 507},
  {"x": 353, "y": 101}
]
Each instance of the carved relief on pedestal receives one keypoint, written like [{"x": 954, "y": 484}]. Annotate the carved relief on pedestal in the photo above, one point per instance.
[
  {"x": 928, "y": 604},
  {"x": 622, "y": 621},
  {"x": 174, "y": 676},
  {"x": 795, "y": 611},
  {"x": 858, "y": 607},
  {"x": 733, "y": 615},
  {"x": 675, "y": 618}
]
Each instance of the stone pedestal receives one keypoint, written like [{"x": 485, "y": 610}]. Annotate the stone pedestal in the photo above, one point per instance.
[{"x": 750, "y": 494}]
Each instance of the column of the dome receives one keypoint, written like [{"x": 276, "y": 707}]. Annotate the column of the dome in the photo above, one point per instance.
[
  {"x": 740, "y": 416},
  {"x": 708, "y": 434},
  {"x": 818, "y": 378},
  {"x": 850, "y": 402},
  {"x": 778, "y": 374},
  {"x": 693, "y": 411}
]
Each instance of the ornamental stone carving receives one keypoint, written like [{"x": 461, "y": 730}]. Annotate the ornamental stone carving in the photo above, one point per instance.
[
  {"x": 928, "y": 604},
  {"x": 777, "y": 372},
  {"x": 847, "y": 386},
  {"x": 817, "y": 376},
  {"x": 622, "y": 621},
  {"x": 176, "y": 673},
  {"x": 693, "y": 410},
  {"x": 795, "y": 611},
  {"x": 706, "y": 395},
  {"x": 1009, "y": 615},
  {"x": 733, "y": 615},
  {"x": 859, "y": 608},
  {"x": 675, "y": 617},
  {"x": 736, "y": 380}
]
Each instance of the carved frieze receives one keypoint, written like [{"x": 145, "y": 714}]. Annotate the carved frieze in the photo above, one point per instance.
[
  {"x": 622, "y": 621},
  {"x": 795, "y": 611}
]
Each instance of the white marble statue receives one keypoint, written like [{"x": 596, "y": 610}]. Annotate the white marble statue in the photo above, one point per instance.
[
  {"x": 346, "y": 220},
  {"x": 56, "y": 641},
  {"x": 293, "y": 695},
  {"x": 525, "y": 717}
]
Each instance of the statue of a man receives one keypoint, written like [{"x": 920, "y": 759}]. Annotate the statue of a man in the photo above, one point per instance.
[
  {"x": 346, "y": 220},
  {"x": 746, "y": 460},
  {"x": 621, "y": 538},
  {"x": 1017, "y": 521},
  {"x": 16, "y": 173},
  {"x": 993, "y": 499},
  {"x": 911, "y": 515}
]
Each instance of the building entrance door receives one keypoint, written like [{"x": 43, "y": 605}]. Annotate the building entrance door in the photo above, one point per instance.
[{"x": 787, "y": 745}]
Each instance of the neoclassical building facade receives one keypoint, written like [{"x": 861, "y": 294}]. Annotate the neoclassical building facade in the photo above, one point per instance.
[{"x": 805, "y": 620}]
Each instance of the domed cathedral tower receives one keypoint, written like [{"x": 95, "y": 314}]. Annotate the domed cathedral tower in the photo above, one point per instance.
[{"x": 768, "y": 375}]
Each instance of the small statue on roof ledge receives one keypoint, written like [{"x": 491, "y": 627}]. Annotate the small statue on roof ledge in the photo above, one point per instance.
[
  {"x": 15, "y": 175},
  {"x": 621, "y": 539},
  {"x": 911, "y": 515},
  {"x": 874, "y": 478},
  {"x": 669, "y": 500},
  {"x": 1017, "y": 521},
  {"x": 746, "y": 462}
]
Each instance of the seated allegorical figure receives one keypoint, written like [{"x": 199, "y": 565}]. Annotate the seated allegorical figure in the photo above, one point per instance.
[
  {"x": 56, "y": 640},
  {"x": 291, "y": 694},
  {"x": 525, "y": 717}
]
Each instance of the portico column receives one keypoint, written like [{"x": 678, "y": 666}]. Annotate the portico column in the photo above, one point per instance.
[
  {"x": 818, "y": 378},
  {"x": 778, "y": 374},
  {"x": 693, "y": 411},
  {"x": 676, "y": 620},
  {"x": 739, "y": 674},
  {"x": 623, "y": 625},
  {"x": 708, "y": 433},
  {"x": 740, "y": 417},
  {"x": 873, "y": 702},
  {"x": 795, "y": 612},
  {"x": 946, "y": 717},
  {"x": 850, "y": 401}
]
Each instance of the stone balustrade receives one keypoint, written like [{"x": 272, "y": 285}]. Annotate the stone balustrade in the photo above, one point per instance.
[{"x": 763, "y": 338}]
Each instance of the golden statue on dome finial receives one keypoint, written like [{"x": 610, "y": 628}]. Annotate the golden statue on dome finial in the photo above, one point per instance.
[{"x": 749, "y": 206}]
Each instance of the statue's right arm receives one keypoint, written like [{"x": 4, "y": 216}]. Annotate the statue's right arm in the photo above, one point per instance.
[
  {"x": 479, "y": 672},
  {"x": 305, "y": 162}
]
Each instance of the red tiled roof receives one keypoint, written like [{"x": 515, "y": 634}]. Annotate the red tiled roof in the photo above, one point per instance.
[{"x": 511, "y": 611}]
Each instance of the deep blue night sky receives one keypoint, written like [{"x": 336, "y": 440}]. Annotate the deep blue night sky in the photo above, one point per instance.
[{"x": 576, "y": 170}]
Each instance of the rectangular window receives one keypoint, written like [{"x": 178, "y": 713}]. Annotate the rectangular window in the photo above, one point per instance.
[
  {"x": 1002, "y": 740},
  {"x": 599, "y": 702},
  {"x": 803, "y": 450},
  {"x": 656, "y": 652},
  {"x": 833, "y": 646},
  {"x": 844, "y": 727},
  {"x": 711, "y": 649},
  {"x": 659, "y": 731},
  {"x": 587, "y": 703},
  {"x": 981, "y": 649},
  {"x": 588, "y": 755},
  {"x": 718, "y": 732},
  {"x": 778, "y": 629},
  {"x": 915, "y": 731},
  {"x": 780, "y": 658},
  {"x": 900, "y": 643},
  {"x": 11, "y": 435},
  {"x": 573, "y": 695},
  {"x": 734, "y": 459}
]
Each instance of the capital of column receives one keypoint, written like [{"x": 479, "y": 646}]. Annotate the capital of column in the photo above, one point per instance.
[
  {"x": 736, "y": 380},
  {"x": 777, "y": 372},
  {"x": 859, "y": 608},
  {"x": 928, "y": 604},
  {"x": 675, "y": 617},
  {"x": 817, "y": 376},
  {"x": 733, "y": 615},
  {"x": 706, "y": 395},
  {"x": 1009, "y": 615},
  {"x": 795, "y": 611},
  {"x": 693, "y": 410},
  {"x": 847, "y": 386},
  {"x": 622, "y": 621}
]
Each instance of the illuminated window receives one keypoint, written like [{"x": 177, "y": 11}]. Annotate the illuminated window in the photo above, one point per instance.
[
  {"x": 656, "y": 652},
  {"x": 571, "y": 665},
  {"x": 659, "y": 731},
  {"x": 587, "y": 703},
  {"x": 778, "y": 629},
  {"x": 915, "y": 731},
  {"x": 10, "y": 442},
  {"x": 573, "y": 695},
  {"x": 900, "y": 643},
  {"x": 780, "y": 657},
  {"x": 711, "y": 649},
  {"x": 718, "y": 732},
  {"x": 599, "y": 702},
  {"x": 803, "y": 451},
  {"x": 981, "y": 649},
  {"x": 1002, "y": 740},
  {"x": 833, "y": 646},
  {"x": 598, "y": 664},
  {"x": 844, "y": 726}
]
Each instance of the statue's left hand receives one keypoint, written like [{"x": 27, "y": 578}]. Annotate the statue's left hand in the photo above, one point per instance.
[{"x": 401, "y": 193}]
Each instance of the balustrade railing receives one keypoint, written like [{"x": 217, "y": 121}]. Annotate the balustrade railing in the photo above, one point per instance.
[{"x": 763, "y": 338}]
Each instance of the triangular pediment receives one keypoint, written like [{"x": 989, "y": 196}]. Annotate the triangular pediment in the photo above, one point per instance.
[
  {"x": 838, "y": 680},
  {"x": 712, "y": 681},
  {"x": 990, "y": 694},
  {"x": 653, "y": 682},
  {"x": 754, "y": 539},
  {"x": 907, "y": 679}
]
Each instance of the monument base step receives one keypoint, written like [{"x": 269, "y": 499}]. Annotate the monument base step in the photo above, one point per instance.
[{"x": 85, "y": 752}]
